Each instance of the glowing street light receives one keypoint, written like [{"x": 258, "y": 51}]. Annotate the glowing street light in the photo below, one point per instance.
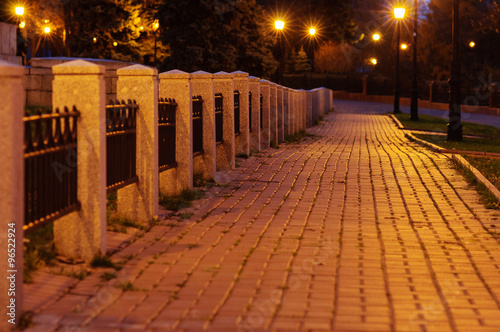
[
  {"x": 115, "y": 44},
  {"x": 312, "y": 31},
  {"x": 399, "y": 13},
  {"x": 376, "y": 37},
  {"x": 373, "y": 61},
  {"x": 22, "y": 24},
  {"x": 472, "y": 44},
  {"x": 46, "y": 30},
  {"x": 279, "y": 25},
  {"x": 404, "y": 46},
  {"x": 19, "y": 11}
]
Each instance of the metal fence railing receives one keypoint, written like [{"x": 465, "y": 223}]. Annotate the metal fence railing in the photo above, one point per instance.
[
  {"x": 50, "y": 159},
  {"x": 250, "y": 111},
  {"x": 120, "y": 144},
  {"x": 166, "y": 133},
  {"x": 219, "y": 126},
  {"x": 197, "y": 125},
  {"x": 236, "y": 112}
]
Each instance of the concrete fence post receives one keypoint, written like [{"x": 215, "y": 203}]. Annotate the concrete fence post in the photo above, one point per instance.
[
  {"x": 82, "y": 234},
  {"x": 281, "y": 116},
  {"x": 365, "y": 85},
  {"x": 11, "y": 192},
  {"x": 493, "y": 92},
  {"x": 273, "y": 113},
  {"x": 309, "y": 109},
  {"x": 254, "y": 87},
  {"x": 242, "y": 141},
  {"x": 265, "y": 139},
  {"x": 223, "y": 83},
  {"x": 303, "y": 105},
  {"x": 296, "y": 110},
  {"x": 292, "y": 111},
  {"x": 176, "y": 84},
  {"x": 204, "y": 165},
  {"x": 139, "y": 201},
  {"x": 286, "y": 111}
]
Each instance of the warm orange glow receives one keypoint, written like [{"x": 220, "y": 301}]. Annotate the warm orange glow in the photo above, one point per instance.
[
  {"x": 376, "y": 37},
  {"x": 94, "y": 40},
  {"x": 404, "y": 46},
  {"x": 19, "y": 11},
  {"x": 399, "y": 12},
  {"x": 46, "y": 30},
  {"x": 115, "y": 44},
  {"x": 312, "y": 31},
  {"x": 156, "y": 25},
  {"x": 22, "y": 24},
  {"x": 279, "y": 25},
  {"x": 373, "y": 61},
  {"x": 472, "y": 44}
]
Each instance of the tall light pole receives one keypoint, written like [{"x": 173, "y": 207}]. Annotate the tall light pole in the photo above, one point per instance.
[
  {"x": 399, "y": 13},
  {"x": 279, "y": 25},
  {"x": 455, "y": 81},
  {"x": 414, "y": 84}
]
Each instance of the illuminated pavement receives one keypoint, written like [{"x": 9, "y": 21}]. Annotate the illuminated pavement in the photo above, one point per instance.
[{"x": 355, "y": 229}]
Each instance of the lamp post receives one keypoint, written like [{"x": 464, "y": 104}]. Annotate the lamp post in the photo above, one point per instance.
[
  {"x": 156, "y": 25},
  {"x": 399, "y": 13},
  {"x": 414, "y": 84},
  {"x": 279, "y": 25},
  {"x": 455, "y": 82}
]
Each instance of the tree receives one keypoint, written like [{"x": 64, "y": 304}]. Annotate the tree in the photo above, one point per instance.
[
  {"x": 216, "y": 35},
  {"x": 339, "y": 58},
  {"x": 302, "y": 62}
]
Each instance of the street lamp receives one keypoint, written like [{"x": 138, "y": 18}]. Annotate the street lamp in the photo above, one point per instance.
[
  {"x": 399, "y": 13},
  {"x": 376, "y": 37},
  {"x": 455, "y": 82},
  {"x": 404, "y": 46},
  {"x": 19, "y": 11},
  {"x": 373, "y": 61},
  {"x": 414, "y": 84},
  {"x": 279, "y": 25},
  {"x": 312, "y": 31},
  {"x": 472, "y": 44},
  {"x": 156, "y": 25}
]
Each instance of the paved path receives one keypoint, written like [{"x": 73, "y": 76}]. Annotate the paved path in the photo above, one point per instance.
[{"x": 356, "y": 229}]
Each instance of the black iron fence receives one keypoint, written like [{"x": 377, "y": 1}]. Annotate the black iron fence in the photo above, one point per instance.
[
  {"x": 197, "y": 125},
  {"x": 236, "y": 112},
  {"x": 121, "y": 144},
  {"x": 250, "y": 111},
  {"x": 219, "y": 126},
  {"x": 166, "y": 133},
  {"x": 50, "y": 159}
]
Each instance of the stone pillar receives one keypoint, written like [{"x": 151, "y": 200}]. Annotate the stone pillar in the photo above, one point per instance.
[
  {"x": 291, "y": 111},
  {"x": 432, "y": 91},
  {"x": 315, "y": 105},
  {"x": 254, "y": 87},
  {"x": 296, "y": 111},
  {"x": 203, "y": 86},
  {"x": 330, "y": 99},
  {"x": 281, "y": 116},
  {"x": 139, "y": 201},
  {"x": 82, "y": 234},
  {"x": 265, "y": 138},
  {"x": 309, "y": 109},
  {"x": 286, "y": 111},
  {"x": 11, "y": 191},
  {"x": 223, "y": 83},
  {"x": 273, "y": 113},
  {"x": 242, "y": 141},
  {"x": 176, "y": 84},
  {"x": 302, "y": 109}
]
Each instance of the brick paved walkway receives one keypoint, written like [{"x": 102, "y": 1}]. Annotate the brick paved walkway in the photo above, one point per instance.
[{"x": 356, "y": 229}]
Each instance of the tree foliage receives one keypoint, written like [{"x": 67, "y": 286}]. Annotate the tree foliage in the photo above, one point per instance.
[{"x": 217, "y": 35}]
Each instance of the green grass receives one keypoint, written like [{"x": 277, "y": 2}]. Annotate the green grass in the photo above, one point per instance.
[
  {"x": 39, "y": 250},
  {"x": 297, "y": 137},
  {"x": 439, "y": 124},
  {"x": 489, "y": 167},
  {"x": 468, "y": 144},
  {"x": 486, "y": 197},
  {"x": 183, "y": 200}
]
